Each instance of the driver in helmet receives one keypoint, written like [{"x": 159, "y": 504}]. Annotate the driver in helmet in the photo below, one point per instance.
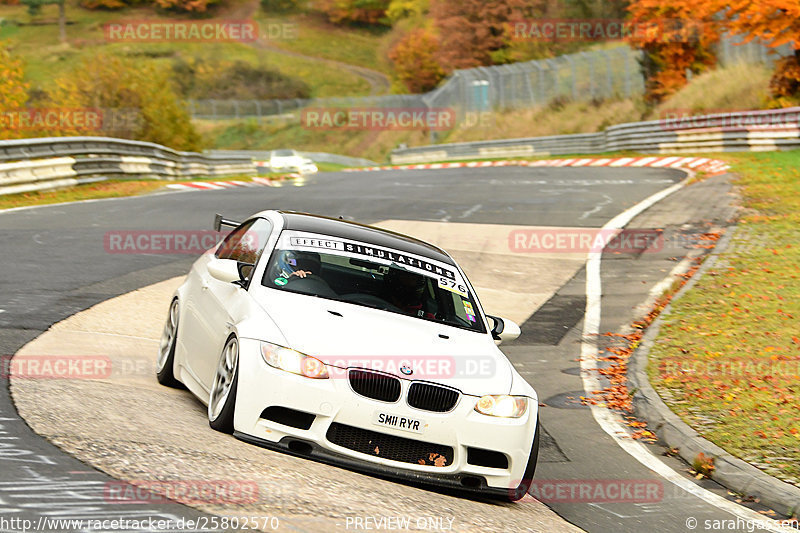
[
  {"x": 407, "y": 292},
  {"x": 299, "y": 264}
]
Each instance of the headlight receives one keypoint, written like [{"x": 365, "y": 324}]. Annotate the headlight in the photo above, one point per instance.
[
  {"x": 502, "y": 405},
  {"x": 292, "y": 361}
]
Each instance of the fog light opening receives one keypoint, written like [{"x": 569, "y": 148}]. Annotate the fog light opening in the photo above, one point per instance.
[
  {"x": 471, "y": 482},
  {"x": 301, "y": 447}
]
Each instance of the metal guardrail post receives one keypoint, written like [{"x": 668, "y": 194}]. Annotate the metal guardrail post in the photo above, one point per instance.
[
  {"x": 626, "y": 58},
  {"x": 609, "y": 68},
  {"x": 573, "y": 75}
]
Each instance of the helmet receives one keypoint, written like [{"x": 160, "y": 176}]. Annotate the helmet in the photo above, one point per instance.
[{"x": 289, "y": 261}]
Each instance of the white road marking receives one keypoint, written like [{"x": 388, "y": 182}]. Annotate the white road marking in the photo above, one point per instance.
[
  {"x": 472, "y": 210},
  {"x": 596, "y": 208},
  {"x": 610, "y": 421}
]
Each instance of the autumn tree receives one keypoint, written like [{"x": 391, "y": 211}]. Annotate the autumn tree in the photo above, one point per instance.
[
  {"x": 137, "y": 102},
  {"x": 354, "y": 11},
  {"x": 189, "y": 6},
  {"x": 103, "y": 4},
  {"x": 475, "y": 32},
  {"x": 677, "y": 37},
  {"x": 404, "y": 9},
  {"x": 415, "y": 64},
  {"x": 776, "y": 23},
  {"x": 13, "y": 90}
]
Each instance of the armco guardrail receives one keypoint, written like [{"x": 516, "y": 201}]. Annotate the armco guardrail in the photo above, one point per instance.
[
  {"x": 317, "y": 157},
  {"x": 774, "y": 129},
  {"x": 46, "y": 163}
]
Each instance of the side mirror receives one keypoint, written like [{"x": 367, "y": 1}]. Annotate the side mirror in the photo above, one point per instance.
[
  {"x": 225, "y": 270},
  {"x": 504, "y": 329},
  {"x": 245, "y": 270}
]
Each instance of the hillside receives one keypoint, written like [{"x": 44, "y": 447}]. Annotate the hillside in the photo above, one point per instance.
[
  {"x": 288, "y": 45},
  {"x": 735, "y": 88}
]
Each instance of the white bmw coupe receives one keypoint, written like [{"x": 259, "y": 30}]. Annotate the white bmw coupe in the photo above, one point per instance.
[{"x": 355, "y": 346}]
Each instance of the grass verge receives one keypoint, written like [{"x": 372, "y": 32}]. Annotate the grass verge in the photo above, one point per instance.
[
  {"x": 96, "y": 191},
  {"x": 90, "y": 191},
  {"x": 727, "y": 359}
]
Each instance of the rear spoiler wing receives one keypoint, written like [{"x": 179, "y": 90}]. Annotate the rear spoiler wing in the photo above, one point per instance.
[{"x": 220, "y": 221}]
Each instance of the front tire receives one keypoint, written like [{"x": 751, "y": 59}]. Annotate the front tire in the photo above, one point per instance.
[
  {"x": 520, "y": 491},
  {"x": 222, "y": 401},
  {"x": 166, "y": 349}
]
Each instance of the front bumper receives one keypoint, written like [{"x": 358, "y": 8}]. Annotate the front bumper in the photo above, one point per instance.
[{"x": 332, "y": 401}]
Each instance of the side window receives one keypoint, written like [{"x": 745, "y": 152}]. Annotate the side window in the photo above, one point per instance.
[{"x": 245, "y": 243}]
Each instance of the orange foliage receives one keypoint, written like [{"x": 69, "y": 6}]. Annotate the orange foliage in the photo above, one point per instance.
[
  {"x": 415, "y": 64},
  {"x": 354, "y": 11},
  {"x": 677, "y": 38},
  {"x": 103, "y": 4},
  {"x": 475, "y": 32},
  {"x": 13, "y": 90},
  {"x": 785, "y": 82},
  {"x": 195, "y": 6},
  {"x": 775, "y": 23}
]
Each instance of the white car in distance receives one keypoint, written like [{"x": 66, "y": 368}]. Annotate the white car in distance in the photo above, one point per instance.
[{"x": 291, "y": 161}]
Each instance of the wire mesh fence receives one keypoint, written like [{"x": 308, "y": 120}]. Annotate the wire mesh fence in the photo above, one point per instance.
[
  {"x": 732, "y": 50},
  {"x": 591, "y": 75},
  {"x": 598, "y": 74}
]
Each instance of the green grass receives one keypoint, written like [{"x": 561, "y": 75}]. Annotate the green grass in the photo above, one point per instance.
[
  {"x": 727, "y": 359},
  {"x": 739, "y": 87},
  {"x": 331, "y": 167},
  {"x": 318, "y": 38},
  {"x": 46, "y": 59},
  {"x": 254, "y": 135}
]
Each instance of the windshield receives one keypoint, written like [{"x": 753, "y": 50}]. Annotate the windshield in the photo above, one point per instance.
[
  {"x": 283, "y": 153},
  {"x": 370, "y": 276}
]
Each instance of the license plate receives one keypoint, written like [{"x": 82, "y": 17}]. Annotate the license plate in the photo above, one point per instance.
[{"x": 414, "y": 425}]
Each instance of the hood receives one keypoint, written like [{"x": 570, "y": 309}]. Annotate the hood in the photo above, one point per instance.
[{"x": 345, "y": 335}]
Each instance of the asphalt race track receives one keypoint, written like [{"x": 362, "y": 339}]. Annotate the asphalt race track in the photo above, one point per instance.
[{"x": 55, "y": 264}]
